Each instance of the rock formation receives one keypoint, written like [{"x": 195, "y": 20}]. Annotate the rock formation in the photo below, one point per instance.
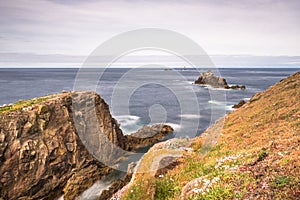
[
  {"x": 43, "y": 149},
  {"x": 148, "y": 135},
  {"x": 208, "y": 78},
  {"x": 240, "y": 104}
]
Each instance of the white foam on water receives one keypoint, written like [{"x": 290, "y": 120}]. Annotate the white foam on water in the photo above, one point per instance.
[
  {"x": 94, "y": 191},
  {"x": 230, "y": 108},
  {"x": 212, "y": 88},
  {"x": 247, "y": 99},
  {"x": 128, "y": 123},
  {"x": 176, "y": 127},
  {"x": 127, "y": 119},
  {"x": 220, "y": 103},
  {"x": 189, "y": 116}
]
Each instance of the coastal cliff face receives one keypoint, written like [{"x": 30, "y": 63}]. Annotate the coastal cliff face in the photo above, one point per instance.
[
  {"x": 41, "y": 153},
  {"x": 256, "y": 156},
  {"x": 40, "y": 149}
]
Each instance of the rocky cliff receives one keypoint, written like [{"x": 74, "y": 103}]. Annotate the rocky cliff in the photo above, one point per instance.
[{"x": 49, "y": 145}]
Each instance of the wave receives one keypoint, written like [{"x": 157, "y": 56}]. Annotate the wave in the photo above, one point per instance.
[
  {"x": 212, "y": 88},
  {"x": 127, "y": 119},
  {"x": 219, "y": 103},
  {"x": 230, "y": 108},
  {"x": 189, "y": 116},
  {"x": 94, "y": 191},
  {"x": 176, "y": 127},
  {"x": 129, "y": 123},
  {"x": 223, "y": 104}
]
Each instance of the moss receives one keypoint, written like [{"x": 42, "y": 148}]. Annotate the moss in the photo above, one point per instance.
[{"x": 42, "y": 109}]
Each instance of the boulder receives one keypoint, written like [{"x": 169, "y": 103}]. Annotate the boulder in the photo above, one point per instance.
[
  {"x": 240, "y": 104},
  {"x": 148, "y": 135}
]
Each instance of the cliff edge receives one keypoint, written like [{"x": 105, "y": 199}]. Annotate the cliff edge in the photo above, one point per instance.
[{"x": 43, "y": 145}]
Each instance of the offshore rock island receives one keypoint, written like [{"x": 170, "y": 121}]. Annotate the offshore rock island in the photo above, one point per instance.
[{"x": 208, "y": 78}]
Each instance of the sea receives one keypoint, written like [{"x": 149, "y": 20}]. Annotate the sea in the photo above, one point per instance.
[{"x": 139, "y": 97}]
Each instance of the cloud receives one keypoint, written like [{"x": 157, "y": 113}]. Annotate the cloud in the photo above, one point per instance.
[
  {"x": 259, "y": 27},
  {"x": 58, "y": 60}
]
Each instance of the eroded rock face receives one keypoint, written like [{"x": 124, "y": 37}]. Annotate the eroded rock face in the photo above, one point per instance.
[
  {"x": 147, "y": 136},
  {"x": 42, "y": 151},
  {"x": 208, "y": 78}
]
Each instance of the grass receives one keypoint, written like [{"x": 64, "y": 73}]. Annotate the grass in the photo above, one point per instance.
[
  {"x": 23, "y": 104},
  {"x": 262, "y": 154},
  {"x": 141, "y": 190},
  {"x": 281, "y": 181},
  {"x": 166, "y": 188}
]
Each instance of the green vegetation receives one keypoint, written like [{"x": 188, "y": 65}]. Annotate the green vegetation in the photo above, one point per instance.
[
  {"x": 281, "y": 181},
  {"x": 139, "y": 190},
  {"x": 23, "y": 104},
  {"x": 262, "y": 154},
  {"x": 215, "y": 193},
  {"x": 166, "y": 188},
  {"x": 136, "y": 192}
]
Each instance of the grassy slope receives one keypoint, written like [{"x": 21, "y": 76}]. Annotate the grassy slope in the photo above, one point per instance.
[{"x": 257, "y": 155}]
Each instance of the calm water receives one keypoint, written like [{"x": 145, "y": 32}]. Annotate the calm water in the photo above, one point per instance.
[{"x": 155, "y": 95}]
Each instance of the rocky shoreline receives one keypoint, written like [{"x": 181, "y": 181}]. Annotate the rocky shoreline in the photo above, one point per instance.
[
  {"x": 256, "y": 155},
  {"x": 42, "y": 155}
]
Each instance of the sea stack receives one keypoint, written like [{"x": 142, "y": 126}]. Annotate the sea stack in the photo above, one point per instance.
[{"x": 208, "y": 78}]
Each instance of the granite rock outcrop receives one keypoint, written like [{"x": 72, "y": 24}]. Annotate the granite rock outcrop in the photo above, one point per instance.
[{"x": 50, "y": 148}]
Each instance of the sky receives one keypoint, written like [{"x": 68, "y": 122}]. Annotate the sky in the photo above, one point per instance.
[{"x": 261, "y": 31}]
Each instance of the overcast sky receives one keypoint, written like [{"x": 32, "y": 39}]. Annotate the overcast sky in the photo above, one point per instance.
[{"x": 73, "y": 27}]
